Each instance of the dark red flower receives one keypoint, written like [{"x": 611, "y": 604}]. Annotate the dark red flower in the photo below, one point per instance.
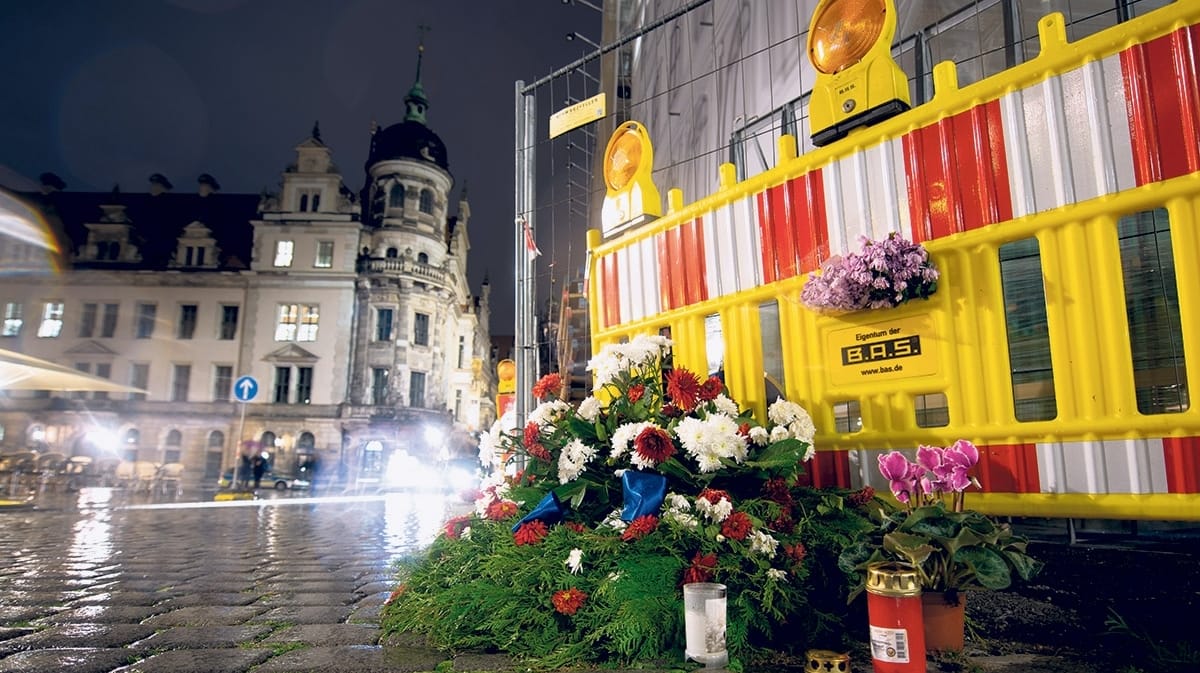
[
  {"x": 575, "y": 526},
  {"x": 548, "y": 385},
  {"x": 714, "y": 496},
  {"x": 654, "y": 444},
  {"x": 736, "y": 526},
  {"x": 776, "y": 490},
  {"x": 671, "y": 411},
  {"x": 532, "y": 432},
  {"x": 702, "y": 568},
  {"x": 568, "y": 601},
  {"x": 784, "y": 523},
  {"x": 538, "y": 451},
  {"x": 711, "y": 388},
  {"x": 795, "y": 552},
  {"x": 635, "y": 392},
  {"x": 684, "y": 388},
  {"x": 454, "y": 527},
  {"x": 862, "y": 496},
  {"x": 499, "y": 510},
  {"x": 744, "y": 430},
  {"x": 531, "y": 532},
  {"x": 640, "y": 527}
]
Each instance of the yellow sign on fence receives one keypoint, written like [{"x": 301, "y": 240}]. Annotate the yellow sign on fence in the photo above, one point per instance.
[
  {"x": 583, "y": 112},
  {"x": 896, "y": 349}
]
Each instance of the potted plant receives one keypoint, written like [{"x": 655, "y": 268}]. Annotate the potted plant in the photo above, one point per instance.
[
  {"x": 882, "y": 274},
  {"x": 953, "y": 549}
]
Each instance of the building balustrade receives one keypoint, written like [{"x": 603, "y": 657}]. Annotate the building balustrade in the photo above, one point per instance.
[{"x": 408, "y": 267}]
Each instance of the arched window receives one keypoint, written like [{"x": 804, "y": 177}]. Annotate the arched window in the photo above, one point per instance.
[
  {"x": 426, "y": 204},
  {"x": 132, "y": 439},
  {"x": 306, "y": 442},
  {"x": 268, "y": 447},
  {"x": 171, "y": 452},
  {"x": 392, "y": 253},
  {"x": 396, "y": 197},
  {"x": 215, "y": 455},
  {"x": 422, "y": 258},
  {"x": 216, "y": 440}
]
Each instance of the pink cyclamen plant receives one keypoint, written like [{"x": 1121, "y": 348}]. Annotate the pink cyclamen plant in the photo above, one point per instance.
[{"x": 937, "y": 472}]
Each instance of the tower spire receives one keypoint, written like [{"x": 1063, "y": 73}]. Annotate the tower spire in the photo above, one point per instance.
[{"x": 416, "y": 101}]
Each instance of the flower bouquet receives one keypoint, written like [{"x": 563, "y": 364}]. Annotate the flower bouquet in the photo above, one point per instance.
[
  {"x": 883, "y": 274},
  {"x": 597, "y": 515},
  {"x": 952, "y": 548}
]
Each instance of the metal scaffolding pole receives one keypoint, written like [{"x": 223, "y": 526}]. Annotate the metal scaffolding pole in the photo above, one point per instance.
[{"x": 525, "y": 337}]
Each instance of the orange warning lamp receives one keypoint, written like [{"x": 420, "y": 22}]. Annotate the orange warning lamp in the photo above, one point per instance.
[
  {"x": 858, "y": 82},
  {"x": 631, "y": 198}
]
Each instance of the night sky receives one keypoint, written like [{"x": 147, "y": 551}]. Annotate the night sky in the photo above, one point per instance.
[{"x": 106, "y": 92}]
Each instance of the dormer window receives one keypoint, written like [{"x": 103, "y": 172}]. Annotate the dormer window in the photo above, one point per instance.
[
  {"x": 108, "y": 250},
  {"x": 426, "y": 203},
  {"x": 310, "y": 200},
  {"x": 196, "y": 248}
]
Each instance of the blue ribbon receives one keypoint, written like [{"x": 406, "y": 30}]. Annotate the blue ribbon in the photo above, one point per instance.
[
  {"x": 644, "y": 493},
  {"x": 549, "y": 510}
]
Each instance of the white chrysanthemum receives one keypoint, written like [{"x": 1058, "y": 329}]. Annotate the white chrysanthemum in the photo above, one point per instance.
[
  {"x": 777, "y": 574},
  {"x": 613, "y": 520},
  {"x": 763, "y": 543},
  {"x": 574, "y": 561},
  {"x": 681, "y": 519},
  {"x": 782, "y": 412},
  {"x": 488, "y": 443},
  {"x": 718, "y": 512},
  {"x": 589, "y": 409},
  {"x": 624, "y": 436},
  {"x": 759, "y": 435},
  {"x": 810, "y": 452},
  {"x": 466, "y": 533},
  {"x": 677, "y": 503},
  {"x": 710, "y": 439},
  {"x": 779, "y": 433},
  {"x": 726, "y": 406},
  {"x": 549, "y": 413},
  {"x": 573, "y": 460},
  {"x": 604, "y": 367},
  {"x": 802, "y": 428}
]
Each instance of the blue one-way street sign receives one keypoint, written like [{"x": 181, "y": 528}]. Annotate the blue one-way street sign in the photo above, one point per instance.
[{"x": 245, "y": 389}]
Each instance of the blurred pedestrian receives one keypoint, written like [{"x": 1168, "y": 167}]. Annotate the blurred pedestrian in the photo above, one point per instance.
[
  {"x": 242, "y": 478},
  {"x": 259, "y": 466}
]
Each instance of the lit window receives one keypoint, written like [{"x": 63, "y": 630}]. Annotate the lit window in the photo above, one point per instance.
[
  {"x": 426, "y": 202},
  {"x": 324, "y": 255},
  {"x": 297, "y": 322},
  {"x": 12, "y": 319},
  {"x": 421, "y": 329},
  {"x": 283, "y": 252},
  {"x": 52, "y": 319}
]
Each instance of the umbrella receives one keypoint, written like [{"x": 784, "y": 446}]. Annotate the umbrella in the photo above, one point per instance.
[{"x": 22, "y": 372}]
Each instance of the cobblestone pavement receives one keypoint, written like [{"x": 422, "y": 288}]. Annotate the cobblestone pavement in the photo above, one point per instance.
[{"x": 96, "y": 582}]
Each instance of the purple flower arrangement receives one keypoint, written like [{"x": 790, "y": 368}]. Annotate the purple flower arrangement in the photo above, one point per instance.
[{"x": 883, "y": 274}]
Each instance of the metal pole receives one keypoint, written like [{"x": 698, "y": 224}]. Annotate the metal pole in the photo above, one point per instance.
[
  {"x": 523, "y": 266},
  {"x": 237, "y": 449}
]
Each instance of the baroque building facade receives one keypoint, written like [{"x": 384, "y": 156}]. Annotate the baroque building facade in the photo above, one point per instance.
[{"x": 350, "y": 310}]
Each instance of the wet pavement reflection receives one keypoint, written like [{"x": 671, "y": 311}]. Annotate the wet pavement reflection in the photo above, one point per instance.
[{"x": 100, "y": 580}]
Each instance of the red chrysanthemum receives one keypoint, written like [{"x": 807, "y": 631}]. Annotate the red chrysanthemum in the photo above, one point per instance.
[
  {"x": 548, "y": 385},
  {"x": 568, "y": 601},
  {"x": 532, "y": 432},
  {"x": 862, "y": 496},
  {"x": 575, "y": 526},
  {"x": 714, "y": 496},
  {"x": 736, "y": 526},
  {"x": 531, "y": 532},
  {"x": 684, "y": 388},
  {"x": 654, "y": 444},
  {"x": 795, "y": 552},
  {"x": 671, "y": 411},
  {"x": 744, "y": 430},
  {"x": 538, "y": 451},
  {"x": 702, "y": 568},
  {"x": 711, "y": 388},
  {"x": 784, "y": 523},
  {"x": 635, "y": 392},
  {"x": 499, "y": 510},
  {"x": 454, "y": 527},
  {"x": 640, "y": 527},
  {"x": 776, "y": 490}
]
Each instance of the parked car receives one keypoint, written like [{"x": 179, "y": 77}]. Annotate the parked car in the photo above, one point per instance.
[{"x": 279, "y": 482}]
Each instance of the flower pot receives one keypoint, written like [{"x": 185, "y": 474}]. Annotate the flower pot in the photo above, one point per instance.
[{"x": 944, "y": 622}]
